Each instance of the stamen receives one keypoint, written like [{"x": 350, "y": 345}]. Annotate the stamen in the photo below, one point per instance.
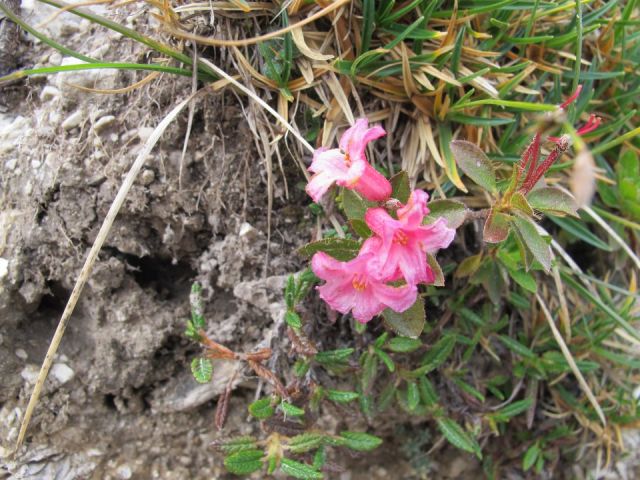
[
  {"x": 359, "y": 282},
  {"x": 400, "y": 237},
  {"x": 593, "y": 123}
]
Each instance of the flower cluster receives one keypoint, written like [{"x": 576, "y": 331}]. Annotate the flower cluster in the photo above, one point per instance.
[{"x": 393, "y": 261}]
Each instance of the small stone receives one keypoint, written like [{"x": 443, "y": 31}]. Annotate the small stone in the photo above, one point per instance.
[
  {"x": 11, "y": 164},
  {"x": 30, "y": 373},
  {"x": 103, "y": 122},
  {"x": 49, "y": 93},
  {"x": 4, "y": 268},
  {"x": 248, "y": 231},
  {"x": 35, "y": 164},
  {"x": 21, "y": 354},
  {"x": 147, "y": 177},
  {"x": 124, "y": 472},
  {"x": 73, "y": 120},
  {"x": 62, "y": 373}
]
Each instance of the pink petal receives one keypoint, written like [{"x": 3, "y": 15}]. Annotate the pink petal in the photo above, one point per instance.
[
  {"x": 415, "y": 209},
  {"x": 372, "y": 185},
  {"x": 330, "y": 161},
  {"x": 354, "y": 141},
  {"x": 367, "y": 305},
  {"x": 398, "y": 299},
  {"x": 319, "y": 184},
  {"x": 327, "y": 267},
  {"x": 353, "y": 174},
  {"x": 435, "y": 236},
  {"x": 338, "y": 296}
]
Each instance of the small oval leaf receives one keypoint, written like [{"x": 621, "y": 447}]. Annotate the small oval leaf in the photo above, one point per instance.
[
  {"x": 453, "y": 212},
  {"x": 342, "y": 249},
  {"x": 538, "y": 246},
  {"x": 244, "y": 462},
  {"x": 458, "y": 437},
  {"x": 299, "y": 470},
  {"x": 202, "y": 369},
  {"x": 496, "y": 228},
  {"x": 554, "y": 201},
  {"x": 400, "y": 186},
  {"x": 409, "y": 323},
  {"x": 475, "y": 164}
]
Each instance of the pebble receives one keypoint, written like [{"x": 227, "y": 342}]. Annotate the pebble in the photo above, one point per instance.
[
  {"x": 248, "y": 231},
  {"x": 147, "y": 177},
  {"x": 73, "y": 120},
  {"x": 21, "y": 354},
  {"x": 61, "y": 372},
  {"x": 124, "y": 472},
  {"x": 103, "y": 122},
  {"x": 30, "y": 373},
  {"x": 4, "y": 268},
  {"x": 49, "y": 93}
]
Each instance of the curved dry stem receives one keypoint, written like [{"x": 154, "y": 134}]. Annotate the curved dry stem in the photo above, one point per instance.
[
  {"x": 88, "y": 264},
  {"x": 261, "y": 38}
]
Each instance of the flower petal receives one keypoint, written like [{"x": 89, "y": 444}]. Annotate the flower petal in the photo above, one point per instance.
[
  {"x": 415, "y": 209},
  {"x": 435, "y": 236},
  {"x": 397, "y": 299},
  {"x": 373, "y": 185},
  {"x": 367, "y": 305},
  {"x": 319, "y": 184}
]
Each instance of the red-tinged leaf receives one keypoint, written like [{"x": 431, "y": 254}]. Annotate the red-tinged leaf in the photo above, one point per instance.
[
  {"x": 437, "y": 271},
  {"x": 409, "y": 323},
  {"x": 401, "y": 187},
  {"x": 496, "y": 228},
  {"x": 519, "y": 202},
  {"x": 475, "y": 164}
]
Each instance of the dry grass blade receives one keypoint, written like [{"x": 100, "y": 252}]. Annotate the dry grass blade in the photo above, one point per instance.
[
  {"x": 261, "y": 38},
  {"x": 569, "y": 358},
  {"x": 149, "y": 78},
  {"x": 88, "y": 264}
]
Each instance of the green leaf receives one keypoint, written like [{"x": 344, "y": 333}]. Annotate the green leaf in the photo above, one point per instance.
[
  {"x": 537, "y": 245},
  {"x": 360, "y": 227},
  {"x": 578, "y": 229},
  {"x": 524, "y": 279},
  {"x": 517, "y": 347},
  {"x": 238, "y": 444},
  {"x": 299, "y": 470},
  {"x": 496, "y": 228},
  {"x": 438, "y": 354},
  {"x": 427, "y": 391},
  {"x": 291, "y": 410},
  {"x": 197, "y": 310},
  {"x": 413, "y": 395},
  {"x": 453, "y": 212},
  {"x": 290, "y": 292},
  {"x": 262, "y": 408},
  {"x": 202, "y": 369},
  {"x": 519, "y": 202},
  {"x": 438, "y": 276},
  {"x": 292, "y": 319},
  {"x": 530, "y": 456},
  {"x": 515, "y": 408},
  {"x": 342, "y": 249},
  {"x": 354, "y": 205},
  {"x": 244, "y": 462},
  {"x": 359, "y": 441},
  {"x": 458, "y": 437},
  {"x": 305, "y": 442},
  {"x": 386, "y": 359},
  {"x": 320, "y": 458},
  {"x": 554, "y": 201},
  {"x": 341, "y": 396},
  {"x": 400, "y": 186},
  {"x": 468, "y": 266},
  {"x": 369, "y": 363},
  {"x": 475, "y": 164},
  {"x": 444, "y": 140},
  {"x": 403, "y": 344},
  {"x": 409, "y": 323},
  {"x": 331, "y": 357}
]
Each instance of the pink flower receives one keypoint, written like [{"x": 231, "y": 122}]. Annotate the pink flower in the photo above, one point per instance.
[
  {"x": 348, "y": 166},
  {"x": 352, "y": 286},
  {"x": 403, "y": 243}
]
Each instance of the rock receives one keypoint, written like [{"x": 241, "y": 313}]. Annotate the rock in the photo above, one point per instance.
[
  {"x": 144, "y": 133},
  {"x": 62, "y": 373},
  {"x": 103, "y": 122},
  {"x": 49, "y": 93},
  {"x": 248, "y": 231},
  {"x": 73, "y": 120},
  {"x": 183, "y": 393},
  {"x": 30, "y": 373},
  {"x": 4, "y": 268},
  {"x": 147, "y": 177},
  {"x": 21, "y": 354},
  {"x": 266, "y": 294}
]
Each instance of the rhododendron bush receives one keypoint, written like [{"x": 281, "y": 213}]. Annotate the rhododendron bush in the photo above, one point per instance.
[{"x": 377, "y": 271}]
